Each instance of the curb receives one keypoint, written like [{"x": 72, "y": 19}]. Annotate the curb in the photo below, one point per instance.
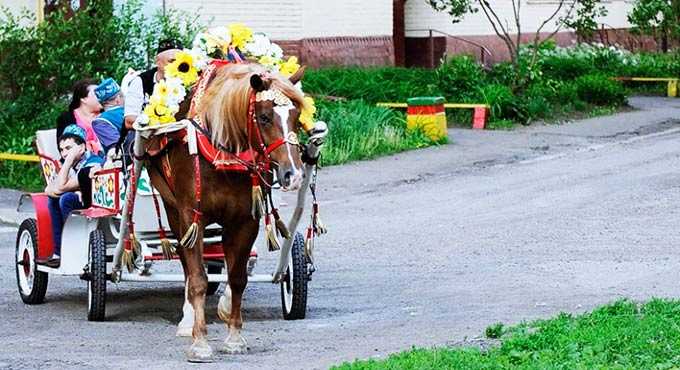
[{"x": 10, "y": 217}]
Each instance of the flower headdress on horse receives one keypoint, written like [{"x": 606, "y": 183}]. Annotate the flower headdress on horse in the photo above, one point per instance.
[{"x": 235, "y": 43}]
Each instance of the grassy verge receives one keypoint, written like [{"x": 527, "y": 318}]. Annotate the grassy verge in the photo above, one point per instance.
[
  {"x": 621, "y": 335},
  {"x": 358, "y": 130}
]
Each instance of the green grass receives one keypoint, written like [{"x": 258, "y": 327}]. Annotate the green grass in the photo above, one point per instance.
[
  {"x": 621, "y": 335},
  {"x": 359, "y": 130}
]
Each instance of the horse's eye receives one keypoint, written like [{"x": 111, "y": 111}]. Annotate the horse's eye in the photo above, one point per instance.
[{"x": 263, "y": 118}]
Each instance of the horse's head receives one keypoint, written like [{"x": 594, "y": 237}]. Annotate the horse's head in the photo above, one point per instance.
[{"x": 277, "y": 112}]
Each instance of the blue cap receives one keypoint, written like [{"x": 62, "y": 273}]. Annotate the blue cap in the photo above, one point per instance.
[
  {"x": 73, "y": 130},
  {"x": 106, "y": 90}
]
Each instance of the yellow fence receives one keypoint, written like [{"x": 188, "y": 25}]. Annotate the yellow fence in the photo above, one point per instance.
[{"x": 19, "y": 157}]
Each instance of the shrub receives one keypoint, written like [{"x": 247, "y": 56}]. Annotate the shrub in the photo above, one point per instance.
[
  {"x": 40, "y": 63},
  {"x": 600, "y": 90},
  {"x": 358, "y": 130},
  {"x": 504, "y": 104},
  {"x": 457, "y": 77},
  {"x": 371, "y": 84}
]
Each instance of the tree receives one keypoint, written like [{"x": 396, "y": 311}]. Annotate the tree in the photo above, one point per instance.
[
  {"x": 584, "y": 20},
  {"x": 563, "y": 15},
  {"x": 657, "y": 18}
]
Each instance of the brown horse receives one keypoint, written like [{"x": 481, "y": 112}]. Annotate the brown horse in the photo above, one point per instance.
[{"x": 226, "y": 197}]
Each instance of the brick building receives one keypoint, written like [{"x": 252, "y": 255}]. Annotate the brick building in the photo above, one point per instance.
[{"x": 375, "y": 32}]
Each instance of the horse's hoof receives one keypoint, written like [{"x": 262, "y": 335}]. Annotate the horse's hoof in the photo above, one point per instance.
[
  {"x": 237, "y": 346},
  {"x": 184, "y": 331},
  {"x": 200, "y": 351}
]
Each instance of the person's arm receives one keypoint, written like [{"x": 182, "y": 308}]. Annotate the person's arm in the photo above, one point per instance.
[
  {"x": 134, "y": 100},
  {"x": 106, "y": 132},
  {"x": 63, "y": 182}
]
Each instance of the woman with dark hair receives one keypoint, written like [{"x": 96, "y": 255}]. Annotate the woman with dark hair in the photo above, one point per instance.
[
  {"x": 84, "y": 107},
  {"x": 82, "y": 110}
]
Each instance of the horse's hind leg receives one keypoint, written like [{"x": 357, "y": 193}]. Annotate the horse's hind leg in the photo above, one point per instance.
[{"x": 236, "y": 242}]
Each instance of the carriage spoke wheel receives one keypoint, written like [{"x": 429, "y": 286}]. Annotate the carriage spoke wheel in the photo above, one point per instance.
[
  {"x": 96, "y": 286},
  {"x": 294, "y": 284},
  {"x": 32, "y": 283}
]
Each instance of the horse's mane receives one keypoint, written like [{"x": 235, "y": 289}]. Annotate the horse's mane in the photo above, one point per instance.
[{"x": 224, "y": 107}]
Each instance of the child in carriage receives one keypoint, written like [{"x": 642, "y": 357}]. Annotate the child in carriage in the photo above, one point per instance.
[
  {"x": 62, "y": 191},
  {"x": 109, "y": 124}
]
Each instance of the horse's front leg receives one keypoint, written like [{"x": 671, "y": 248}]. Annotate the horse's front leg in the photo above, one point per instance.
[
  {"x": 237, "y": 241},
  {"x": 197, "y": 285}
]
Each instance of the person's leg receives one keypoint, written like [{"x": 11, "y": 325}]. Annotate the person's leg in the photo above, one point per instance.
[
  {"x": 57, "y": 223},
  {"x": 68, "y": 203}
]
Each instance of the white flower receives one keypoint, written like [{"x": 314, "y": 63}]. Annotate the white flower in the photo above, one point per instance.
[
  {"x": 261, "y": 46},
  {"x": 200, "y": 58},
  {"x": 176, "y": 91},
  {"x": 201, "y": 42},
  {"x": 221, "y": 33}
]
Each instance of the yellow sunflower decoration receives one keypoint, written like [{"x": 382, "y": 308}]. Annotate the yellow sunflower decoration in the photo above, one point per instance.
[
  {"x": 240, "y": 35},
  {"x": 159, "y": 113},
  {"x": 307, "y": 114},
  {"x": 183, "y": 68},
  {"x": 161, "y": 90},
  {"x": 289, "y": 67}
]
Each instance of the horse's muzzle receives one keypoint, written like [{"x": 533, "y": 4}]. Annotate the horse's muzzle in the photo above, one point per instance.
[{"x": 290, "y": 179}]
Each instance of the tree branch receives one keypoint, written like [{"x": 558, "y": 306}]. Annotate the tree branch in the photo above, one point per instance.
[
  {"x": 516, "y": 10},
  {"x": 496, "y": 23}
]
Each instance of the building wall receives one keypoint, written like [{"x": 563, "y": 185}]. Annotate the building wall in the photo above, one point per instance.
[
  {"x": 297, "y": 19},
  {"x": 419, "y": 15},
  {"x": 319, "y": 32},
  {"x": 17, "y": 5}
]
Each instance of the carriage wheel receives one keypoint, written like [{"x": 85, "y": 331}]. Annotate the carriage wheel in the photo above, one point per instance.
[
  {"x": 31, "y": 282},
  {"x": 96, "y": 286},
  {"x": 294, "y": 283},
  {"x": 212, "y": 287}
]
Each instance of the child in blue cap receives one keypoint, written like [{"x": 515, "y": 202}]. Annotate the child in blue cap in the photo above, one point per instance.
[
  {"x": 62, "y": 192},
  {"x": 108, "y": 125}
]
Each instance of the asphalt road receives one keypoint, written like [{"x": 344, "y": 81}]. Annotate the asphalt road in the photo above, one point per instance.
[{"x": 426, "y": 248}]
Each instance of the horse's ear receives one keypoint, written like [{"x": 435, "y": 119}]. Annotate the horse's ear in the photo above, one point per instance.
[
  {"x": 257, "y": 83},
  {"x": 297, "y": 76}
]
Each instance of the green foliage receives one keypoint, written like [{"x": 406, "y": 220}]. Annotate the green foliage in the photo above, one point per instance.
[
  {"x": 657, "y": 18},
  {"x": 600, "y": 90},
  {"x": 621, "y": 335},
  {"x": 459, "y": 76},
  {"x": 494, "y": 331},
  {"x": 40, "y": 62},
  {"x": 358, "y": 130},
  {"x": 371, "y": 84},
  {"x": 585, "y": 20}
]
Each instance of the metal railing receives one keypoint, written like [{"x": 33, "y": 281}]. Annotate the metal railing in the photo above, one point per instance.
[{"x": 483, "y": 50}]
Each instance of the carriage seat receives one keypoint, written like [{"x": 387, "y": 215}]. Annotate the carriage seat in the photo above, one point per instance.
[
  {"x": 46, "y": 142},
  {"x": 107, "y": 186}
]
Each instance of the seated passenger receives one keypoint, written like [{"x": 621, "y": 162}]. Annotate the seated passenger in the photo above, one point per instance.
[
  {"x": 62, "y": 191},
  {"x": 109, "y": 124},
  {"x": 83, "y": 108}
]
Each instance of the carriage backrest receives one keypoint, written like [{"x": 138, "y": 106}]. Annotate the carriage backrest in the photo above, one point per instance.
[{"x": 46, "y": 142}]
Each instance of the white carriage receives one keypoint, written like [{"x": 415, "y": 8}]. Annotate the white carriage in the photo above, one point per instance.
[{"x": 90, "y": 237}]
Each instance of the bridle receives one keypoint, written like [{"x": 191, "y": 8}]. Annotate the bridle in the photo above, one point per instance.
[{"x": 261, "y": 163}]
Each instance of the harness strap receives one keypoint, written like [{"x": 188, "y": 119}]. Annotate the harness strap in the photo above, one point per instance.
[
  {"x": 197, "y": 188},
  {"x": 161, "y": 230},
  {"x": 167, "y": 172}
]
